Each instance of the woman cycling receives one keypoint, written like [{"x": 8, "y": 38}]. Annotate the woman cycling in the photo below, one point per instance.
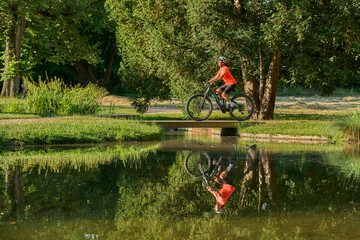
[{"x": 230, "y": 82}]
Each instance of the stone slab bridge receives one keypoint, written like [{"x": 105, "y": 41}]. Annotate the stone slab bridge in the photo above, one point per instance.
[{"x": 228, "y": 127}]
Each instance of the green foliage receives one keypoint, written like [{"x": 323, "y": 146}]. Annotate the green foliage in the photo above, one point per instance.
[
  {"x": 318, "y": 42},
  {"x": 12, "y": 105},
  {"x": 64, "y": 33},
  {"x": 83, "y": 100},
  {"x": 53, "y": 96},
  {"x": 350, "y": 125}
]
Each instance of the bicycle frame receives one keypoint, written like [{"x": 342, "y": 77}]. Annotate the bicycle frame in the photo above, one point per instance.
[
  {"x": 213, "y": 93},
  {"x": 212, "y": 174}
]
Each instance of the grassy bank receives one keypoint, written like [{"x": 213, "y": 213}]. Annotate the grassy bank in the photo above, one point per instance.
[
  {"x": 73, "y": 130},
  {"x": 306, "y": 128},
  {"x": 308, "y": 116}
]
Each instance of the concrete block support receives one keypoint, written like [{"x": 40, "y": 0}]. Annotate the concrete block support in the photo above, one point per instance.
[{"x": 229, "y": 132}]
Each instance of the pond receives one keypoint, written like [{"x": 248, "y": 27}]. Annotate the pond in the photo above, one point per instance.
[{"x": 144, "y": 190}]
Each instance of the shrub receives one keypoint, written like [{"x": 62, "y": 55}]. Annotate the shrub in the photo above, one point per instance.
[
  {"x": 53, "y": 96},
  {"x": 350, "y": 125},
  {"x": 45, "y": 97},
  {"x": 83, "y": 100},
  {"x": 12, "y": 105}
]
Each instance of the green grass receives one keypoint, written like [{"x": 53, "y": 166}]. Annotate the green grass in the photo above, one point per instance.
[
  {"x": 75, "y": 130},
  {"x": 306, "y": 128},
  {"x": 22, "y": 115}
]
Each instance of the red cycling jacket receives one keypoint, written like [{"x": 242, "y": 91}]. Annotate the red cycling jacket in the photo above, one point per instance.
[
  {"x": 228, "y": 78},
  {"x": 223, "y": 195}
]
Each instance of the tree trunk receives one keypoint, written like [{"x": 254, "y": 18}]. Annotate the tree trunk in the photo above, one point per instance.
[
  {"x": 250, "y": 85},
  {"x": 87, "y": 73},
  {"x": 261, "y": 69},
  {"x": 261, "y": 180},
  {"x": 249, "y": 177},
  {"x": 11, "y": 75},
  {"x": 268, "y": 100},
  {"x": 18, "y": 191},
  {"x": 83, "y": 72},
  {"x": 269, "y": 170},
  {"x": 7, "y": 173},
  {"x": 108, "y": 65},
  {"x": 264, "y": 93}
]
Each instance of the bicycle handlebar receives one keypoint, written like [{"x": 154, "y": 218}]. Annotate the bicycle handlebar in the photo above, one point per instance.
[{"x": 207, "y": 83}]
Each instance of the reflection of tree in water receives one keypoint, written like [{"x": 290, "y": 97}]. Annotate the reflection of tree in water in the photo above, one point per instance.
[
  {"x": 14, "y": 199},
  {"x": 62, "y": 180},
  {"x": 259, "y": 163},
  {"x": 156, "y": 197}
]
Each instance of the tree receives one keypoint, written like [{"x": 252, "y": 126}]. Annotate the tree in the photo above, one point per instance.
[
  {"x": 77, "y": 34},
  {"x": 13, "y": 24},
  {"x": 178, "y": 41}
]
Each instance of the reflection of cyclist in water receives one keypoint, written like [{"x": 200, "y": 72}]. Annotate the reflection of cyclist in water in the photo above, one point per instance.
[{"x": 227, "y": 188}]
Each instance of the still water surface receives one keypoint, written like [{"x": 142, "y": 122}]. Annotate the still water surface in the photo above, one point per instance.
[{"x": 143, "y": 191}]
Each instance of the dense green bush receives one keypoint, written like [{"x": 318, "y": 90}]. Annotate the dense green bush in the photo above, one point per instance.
[{"x": 53, "y": 96}]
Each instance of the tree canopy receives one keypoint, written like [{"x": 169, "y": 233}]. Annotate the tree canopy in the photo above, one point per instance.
[
  {"x": 74, "y": 34},
  {"x": 169, "y": 47},
  {"x": 313, "y": 43}
]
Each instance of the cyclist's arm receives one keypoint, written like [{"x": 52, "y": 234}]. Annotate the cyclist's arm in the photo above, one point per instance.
[{"x": 217, "y": 77}]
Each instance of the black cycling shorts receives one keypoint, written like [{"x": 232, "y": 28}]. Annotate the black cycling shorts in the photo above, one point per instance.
[{"x": 227, "y": 89}]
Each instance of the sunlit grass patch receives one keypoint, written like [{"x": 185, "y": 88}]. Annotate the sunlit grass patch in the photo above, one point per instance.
[
  {"x": 306, "y": 128},
  {"x": 75, "y": 130}
]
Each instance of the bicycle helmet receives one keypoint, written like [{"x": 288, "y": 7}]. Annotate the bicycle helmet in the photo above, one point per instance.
[{"x": 222, "y": 59}]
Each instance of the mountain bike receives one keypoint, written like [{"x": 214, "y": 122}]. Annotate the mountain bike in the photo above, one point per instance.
[{"x": 199, "y": 106}]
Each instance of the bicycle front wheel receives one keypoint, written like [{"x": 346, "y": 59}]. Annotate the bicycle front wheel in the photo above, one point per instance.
[
  {"x": 244, "y": 107},
  {"x": 198, "y": 108},
  {"x": 193, "y": 160}
]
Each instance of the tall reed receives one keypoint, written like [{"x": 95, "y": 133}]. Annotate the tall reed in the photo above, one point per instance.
[{"x": 53, "y": 96}]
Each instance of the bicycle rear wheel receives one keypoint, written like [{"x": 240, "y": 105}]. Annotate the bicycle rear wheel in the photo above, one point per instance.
[
  {"x": 244, "y": 107},
  {"x": 193, "y": 160},
  {"x": 198, "y": 108}
]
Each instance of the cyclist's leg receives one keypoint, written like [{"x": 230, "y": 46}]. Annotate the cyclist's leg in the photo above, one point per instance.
[
  {"x": 219, "y": 91},
  {"x": 226, "y": 171},
  {"x": 227, "y": 90}
]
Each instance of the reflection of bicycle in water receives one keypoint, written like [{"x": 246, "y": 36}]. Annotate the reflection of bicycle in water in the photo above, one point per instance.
[{"x": 198, "y": 164}]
